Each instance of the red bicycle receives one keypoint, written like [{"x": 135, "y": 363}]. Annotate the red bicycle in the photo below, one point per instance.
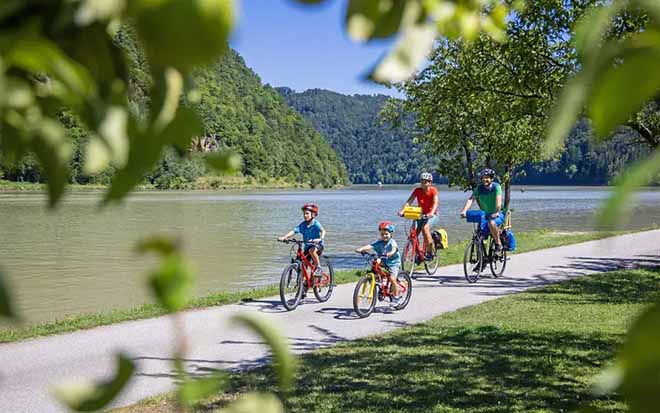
[
  {"x": 375, "y": 285},
  {"x": 298, "y": 277},
  {"x": 415, "y": 253}
]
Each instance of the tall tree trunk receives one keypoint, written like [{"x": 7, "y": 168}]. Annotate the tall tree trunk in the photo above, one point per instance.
[
  {"x": 468, "y": 165},
  {"x": 507, "y": 185}
]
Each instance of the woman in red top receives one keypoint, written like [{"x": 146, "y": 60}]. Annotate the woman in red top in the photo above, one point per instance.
[{"x": 427, "y": 198}]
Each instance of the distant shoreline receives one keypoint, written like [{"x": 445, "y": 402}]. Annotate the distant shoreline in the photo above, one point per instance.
[
  {"x": 245, "y": 184},
  {"x": 201, "y": 185}
]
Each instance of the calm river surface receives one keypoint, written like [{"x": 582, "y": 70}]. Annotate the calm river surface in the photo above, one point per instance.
[{"x": 79, "y": 258}]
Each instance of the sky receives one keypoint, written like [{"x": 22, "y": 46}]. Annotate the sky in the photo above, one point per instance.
[{"x": 305, "y": 47}]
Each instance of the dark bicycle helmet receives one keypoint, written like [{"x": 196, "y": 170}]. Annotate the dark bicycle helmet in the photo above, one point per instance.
[
  {"x": 487, "y": 172},
  {"x": 386, "y": 226},
  {"x": 313, "y": 208}
]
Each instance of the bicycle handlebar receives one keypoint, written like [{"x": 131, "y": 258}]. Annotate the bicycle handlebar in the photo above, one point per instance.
[
  {"x": 372, "y": 255},
  {"x": 291, "y": 241},
  {"x": 299, "y": 242}
]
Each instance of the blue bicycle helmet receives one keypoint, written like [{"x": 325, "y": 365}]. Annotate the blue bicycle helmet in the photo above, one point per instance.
[{"x": 386, "y": 226}]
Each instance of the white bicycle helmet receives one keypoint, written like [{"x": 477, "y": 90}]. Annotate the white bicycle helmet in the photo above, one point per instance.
[{"x": 427, "y": 176}]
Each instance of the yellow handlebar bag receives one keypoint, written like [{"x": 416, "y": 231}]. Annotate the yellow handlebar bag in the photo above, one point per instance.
[{"x": 412, "y": 212}]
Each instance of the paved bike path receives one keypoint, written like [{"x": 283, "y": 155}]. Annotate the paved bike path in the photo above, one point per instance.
[{"x": 28, "y": 369}]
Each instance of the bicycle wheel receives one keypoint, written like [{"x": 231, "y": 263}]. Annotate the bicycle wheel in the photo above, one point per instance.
[
  {"x": 408, "y": 261},
  {"x": 365, "y": 296},
  {"x": 291, "y": 284},
  {"x": 473, "y": 261},
  {"x": 323, "y": 287},
  {"x": 497, "y": 265},
  {"x": 432, "y": 266},
  {"x": 405, "y": 282}
]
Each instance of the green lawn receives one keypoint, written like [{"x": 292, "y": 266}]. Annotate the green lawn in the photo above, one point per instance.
[
  {"x": 528, "y": 241},
  {"x": 530, "y": 352}
]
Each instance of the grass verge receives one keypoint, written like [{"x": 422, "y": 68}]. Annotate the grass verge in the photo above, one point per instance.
[
  {"x": 531, "y": 352},
  {"x": 528, "y": 241}
]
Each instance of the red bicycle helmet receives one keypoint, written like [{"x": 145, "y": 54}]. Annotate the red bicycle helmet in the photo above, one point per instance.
[
  {"x": 386, "y": 226},
  {"x": 313, "y": 208}
]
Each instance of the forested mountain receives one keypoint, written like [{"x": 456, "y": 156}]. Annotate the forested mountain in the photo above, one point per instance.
[
  {"x": 373, "y": 152},
  {"x": 278, "y": 142},
  {"x": 584, "y": 162},
  {"x": 238, "y": 112},
  {"x": 274, "y": 140}
]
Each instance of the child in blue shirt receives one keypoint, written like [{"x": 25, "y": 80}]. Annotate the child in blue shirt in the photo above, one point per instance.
[
  {"x": 313, "y": 234},
  {"x": 388, "y": 250}
]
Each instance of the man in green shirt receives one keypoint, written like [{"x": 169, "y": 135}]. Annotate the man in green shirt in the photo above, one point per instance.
[{"x": 489, "y": 198}]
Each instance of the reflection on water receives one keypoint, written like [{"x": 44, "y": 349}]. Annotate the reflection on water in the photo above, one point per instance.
[{"x": 79, "y": 258}]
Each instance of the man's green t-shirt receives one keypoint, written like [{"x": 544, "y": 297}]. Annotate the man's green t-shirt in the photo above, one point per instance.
[{"x": 487, "y": 197}]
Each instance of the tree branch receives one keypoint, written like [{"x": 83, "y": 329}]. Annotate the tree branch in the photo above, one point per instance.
[
  {"x": 645, "y": 133},
  {"x": 509, "y": 93}
]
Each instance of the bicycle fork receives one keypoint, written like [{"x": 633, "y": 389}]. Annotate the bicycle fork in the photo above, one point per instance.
[{"x": 372, "y": 287}]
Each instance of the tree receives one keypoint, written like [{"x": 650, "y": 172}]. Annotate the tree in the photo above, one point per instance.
[{"x": 486, "y": 103}]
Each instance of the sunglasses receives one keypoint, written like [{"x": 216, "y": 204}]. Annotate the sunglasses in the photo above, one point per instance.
[{"x": 425, "y": 180}]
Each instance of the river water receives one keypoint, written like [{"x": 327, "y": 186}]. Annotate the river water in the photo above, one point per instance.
[{"x": 80, "y": 259}]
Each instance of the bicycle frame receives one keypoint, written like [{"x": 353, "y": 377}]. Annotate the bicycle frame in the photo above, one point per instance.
[
  {"x": 413, "y": 236},
  {"x": 383, "y": 280},
  {"x": 481, "y": 238},
  {"x": 300, "y": 256}
]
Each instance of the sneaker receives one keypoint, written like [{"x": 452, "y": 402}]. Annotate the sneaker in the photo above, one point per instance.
[
  {"x": 396, "y": 301},
  {"x": 498, "y": 250},
  {"x": 476, "y": 267},
  {"x": 318, "y": 273},
  {"x": 428, "y": 257}
]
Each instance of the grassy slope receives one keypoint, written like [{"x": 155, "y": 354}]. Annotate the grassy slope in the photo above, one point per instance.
[
  {"x": 526, "y": 242},
  {"x": 531, "y": 352}
]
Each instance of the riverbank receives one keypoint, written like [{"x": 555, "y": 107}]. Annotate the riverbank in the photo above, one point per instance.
[
  {"x": 204, "y": 183},
  {"x": 534, "y": 351},
  {"x": 530, "y": 241}
]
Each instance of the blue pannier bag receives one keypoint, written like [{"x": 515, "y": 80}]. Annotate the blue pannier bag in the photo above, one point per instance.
[
  {"x": 474, "y": 216},
  {"x": 510, "y": 241}
]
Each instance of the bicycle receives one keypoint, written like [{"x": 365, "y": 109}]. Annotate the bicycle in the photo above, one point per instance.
[
  {"x": 297, "y": 277},
  {"x": 475, "y": 257},
  {"x": 414, "y": 254},
  {"x": 375, "y": 285}
]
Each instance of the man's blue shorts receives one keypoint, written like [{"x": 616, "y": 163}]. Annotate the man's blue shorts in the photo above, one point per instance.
[{"x": 484, "y": 222}]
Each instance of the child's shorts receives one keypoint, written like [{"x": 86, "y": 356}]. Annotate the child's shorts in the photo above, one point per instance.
[
  {"x": 319, "y": 247},
  {"x": 394, "y": 271}
]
